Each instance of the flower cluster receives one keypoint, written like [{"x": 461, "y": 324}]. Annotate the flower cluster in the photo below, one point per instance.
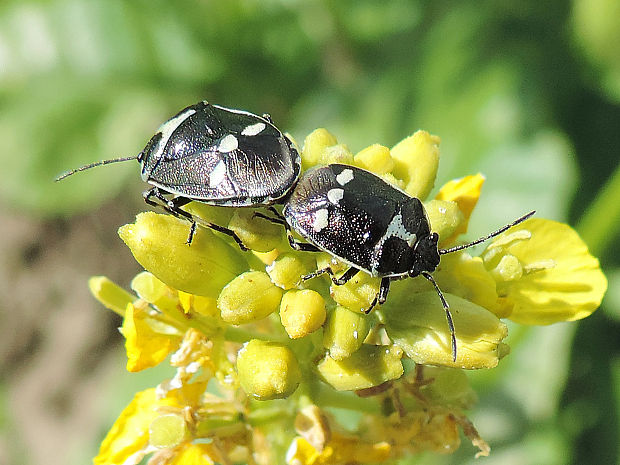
[{"x": 263, "y": 358}]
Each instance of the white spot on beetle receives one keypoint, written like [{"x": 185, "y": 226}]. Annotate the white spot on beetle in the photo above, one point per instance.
[
  {"x": 169, "y": 127},
  {"x": 344, "y": 177},
  {"x": 218, "y": 174},
  {"x": 228, "y": 144},
  {"x": 335, "y": 195},
  {"x": 396, "y": 228},
  {"x": 320, "y": 220},
  {"x": 253, "y": 129},
  {"x": 179, "y": 147}
]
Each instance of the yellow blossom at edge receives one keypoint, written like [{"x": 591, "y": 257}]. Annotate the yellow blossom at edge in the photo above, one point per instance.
[
  {"x": 127, "y": 441},
  {"x": 145, "y": 347},
  {"x": 465, "y": 192},
  {"x": 561, "y": 281}
]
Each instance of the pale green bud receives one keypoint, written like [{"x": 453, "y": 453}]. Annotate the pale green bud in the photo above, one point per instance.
[
  {"x": 302, "y": 312},
  {"x": 366, "y": 368},
  {"x": 345, "y": 332},
  {"x": 267, "y": 370},
  {"x": 249, "y": 297},
  {"x": 159, "y": 244}
]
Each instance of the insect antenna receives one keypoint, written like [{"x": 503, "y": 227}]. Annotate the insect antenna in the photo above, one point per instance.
[
  {"x": 92, "y": 165},
  {"x": 446, "y": 307},
  {"x": 487, "y": 237}
]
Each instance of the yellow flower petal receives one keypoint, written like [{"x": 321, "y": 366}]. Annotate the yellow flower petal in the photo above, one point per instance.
[
  {"x": 127, "y": 440},
  {"x": 129, "y": 434},
  {"x": 193, "y": 454},
  {"x": 463, "y": 275},
  {"x": 145, "y": 347},
  {"x": 560, "y": 280},
  {"x": 465, "y": 192}
]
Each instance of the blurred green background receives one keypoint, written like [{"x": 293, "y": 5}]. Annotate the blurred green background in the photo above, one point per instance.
[{"x": 526, "y": 92}]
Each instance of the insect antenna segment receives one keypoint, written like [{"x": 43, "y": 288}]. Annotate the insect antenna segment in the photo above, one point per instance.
[
  {"x": 488, "y": 236},
  {"x": 92, "y": 165}
]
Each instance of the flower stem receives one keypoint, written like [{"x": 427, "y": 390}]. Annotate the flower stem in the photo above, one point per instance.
[{"x": 327, "y": 397}]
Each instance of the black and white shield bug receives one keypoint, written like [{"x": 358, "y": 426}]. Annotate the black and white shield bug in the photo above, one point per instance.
[
  {"x": 218, "y": 156},
  {"x": 371, "y": 225}
]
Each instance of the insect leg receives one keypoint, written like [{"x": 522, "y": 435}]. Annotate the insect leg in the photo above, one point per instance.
[
  {"x": 446, "y": 307},
  {"x": 381, "y": 296},
  {"x": 173, "y": 206},
  {"x": 295, "y": 244},
  {"x": 279, "y": 221},
  {"x": 337, "y": 281}
]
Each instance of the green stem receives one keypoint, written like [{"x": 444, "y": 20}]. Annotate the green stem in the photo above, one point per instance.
[
  {"x": 234, "y": 334},
  {"x": 599, "y": 225},
  {"x": 328, "y": 397}
]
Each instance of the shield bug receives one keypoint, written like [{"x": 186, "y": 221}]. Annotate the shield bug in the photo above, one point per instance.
[
  {"x": 369, "y": 224},
  {"x": 218, "y": 156}
]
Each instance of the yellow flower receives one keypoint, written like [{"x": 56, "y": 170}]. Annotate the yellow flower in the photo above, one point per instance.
[
  {"x": 544, "y": 273},
  {"x": 127, "y": 442},
  {"x": 279, "y": 350},
  {"x": 465, "y": 192},
  {"x": 145, "y": 346}
]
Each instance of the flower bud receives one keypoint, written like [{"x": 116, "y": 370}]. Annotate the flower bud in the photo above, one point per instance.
[
  {"x": 338, "y": 153},
  {"x": 345, "y": 332},
  {"x": 267, "y": 370},
  {"x": 450, "y": 386},
  {"x": 368, "y": 367},
  {"x": 111, "y": 295},
  {"x": 286, "y": 270},
  {"x": 155, "y": 292},
  {"x": 167, "y": 431},
  {"x": 249, "y": 297},
  {"x": 302, "y": 312},
  {"x": 375, "y": 158},
  {"x": 159, "y": 244},
  {"x": 314, "y": 146},
  {"x": 358, "y": 293},
  {"x": 256, "y": 233},
  {"x": 417, "y": 159},
  {"x": 444, "y": 216}
]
